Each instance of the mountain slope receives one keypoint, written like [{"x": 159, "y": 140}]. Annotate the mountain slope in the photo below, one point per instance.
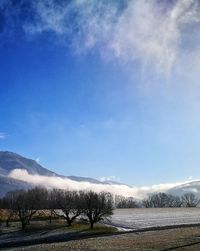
[
  {"x": 10, "y": 161},
  {"x": 189, "y": 187},
  {"x": 8, "y": 184}
]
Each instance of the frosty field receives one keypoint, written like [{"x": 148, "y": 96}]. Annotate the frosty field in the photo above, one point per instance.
[
  {"x": 46, "y": 237},
  {"x": 153, "y": 217}
]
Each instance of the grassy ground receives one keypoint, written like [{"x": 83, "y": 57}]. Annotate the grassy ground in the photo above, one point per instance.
[
  {"x": 60, "y": 225},
  {"x": 173, "y": 239},
  {"x": 44, "y": 232}
]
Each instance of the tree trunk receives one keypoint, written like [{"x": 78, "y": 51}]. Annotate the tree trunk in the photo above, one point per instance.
[
  {"x": 69, "y": 222},
  {"x": 23, "y": 224},
  {"x": 91, "y": 225}
]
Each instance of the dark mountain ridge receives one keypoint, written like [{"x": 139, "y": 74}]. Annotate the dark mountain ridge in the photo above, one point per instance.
[{"x": 10, "y": 161}]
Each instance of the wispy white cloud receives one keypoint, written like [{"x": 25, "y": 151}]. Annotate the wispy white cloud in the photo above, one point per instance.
[
  {"x": 64, "y": 183},
  {"x": 3, "y": 135},
  {"x": 37, "y": 159},
  {"x": 109, "y": 178},
  {"x": 156, "y": 34},
  {"x": 149, "y": 32},
  {"x": 49, "y": 16}
]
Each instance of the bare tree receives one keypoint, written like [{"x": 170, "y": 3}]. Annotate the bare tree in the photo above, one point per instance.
[
  {"x": 1, "y": 216},
  {"x": 190, "y": 200},
  {"x": 147, "y": 202},
  {"x": 24, "y": 204},
  {"x": 69, "y": 202},
  {"x": 174, "y": 201},
  {"x": 127, "y": 203},
  {"x": 160, "y": 200},
  {"x": 96, "y": 206}
]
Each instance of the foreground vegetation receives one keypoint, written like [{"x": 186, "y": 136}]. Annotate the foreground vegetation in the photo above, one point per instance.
[
  {"x": 42, "y": 231},
  {"x": 23, "y": 205},
  {"x": 42, "y": 223},
  {"x": 69, "y": 205}
]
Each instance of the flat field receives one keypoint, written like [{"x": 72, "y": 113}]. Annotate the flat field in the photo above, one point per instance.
[
  {"x": 149, "y": 229},
  {"x": 153, "y": 217}
]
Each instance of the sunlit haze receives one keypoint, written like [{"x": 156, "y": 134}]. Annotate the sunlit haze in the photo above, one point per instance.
[{"x": 103, "y": 89}]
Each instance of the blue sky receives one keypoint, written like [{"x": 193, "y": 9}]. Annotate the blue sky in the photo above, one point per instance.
[{"x": 93, "y": 89}]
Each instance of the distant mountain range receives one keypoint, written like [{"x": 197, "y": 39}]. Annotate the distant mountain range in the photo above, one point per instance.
[
  {"x": 10, "y": 161},
  {"x": 189, "y": 187}
]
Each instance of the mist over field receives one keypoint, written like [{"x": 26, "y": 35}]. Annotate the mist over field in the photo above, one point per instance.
[{"x": 65, "y": 183}]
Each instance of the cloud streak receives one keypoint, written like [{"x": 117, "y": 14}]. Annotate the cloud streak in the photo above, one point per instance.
[
  {"x": 109, "y": 178},
  {"x": 152, "y": 33},
  {"x": 3, "y": 135},
  {"x": 65, "y": 183},
  {"x": 156, "y": 34}
]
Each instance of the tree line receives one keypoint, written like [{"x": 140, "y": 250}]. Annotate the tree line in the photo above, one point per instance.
[
  {"x": 159, "y": 200},
  {"x": 69, "y": 205}
]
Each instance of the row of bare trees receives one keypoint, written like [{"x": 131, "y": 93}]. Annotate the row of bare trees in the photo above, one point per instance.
[
  {"x": 158, "y": 200},
  {"x": 126, "y": 202},
  {"x": 167, "y": 200},
  {"x": 68, "y": 205}
]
